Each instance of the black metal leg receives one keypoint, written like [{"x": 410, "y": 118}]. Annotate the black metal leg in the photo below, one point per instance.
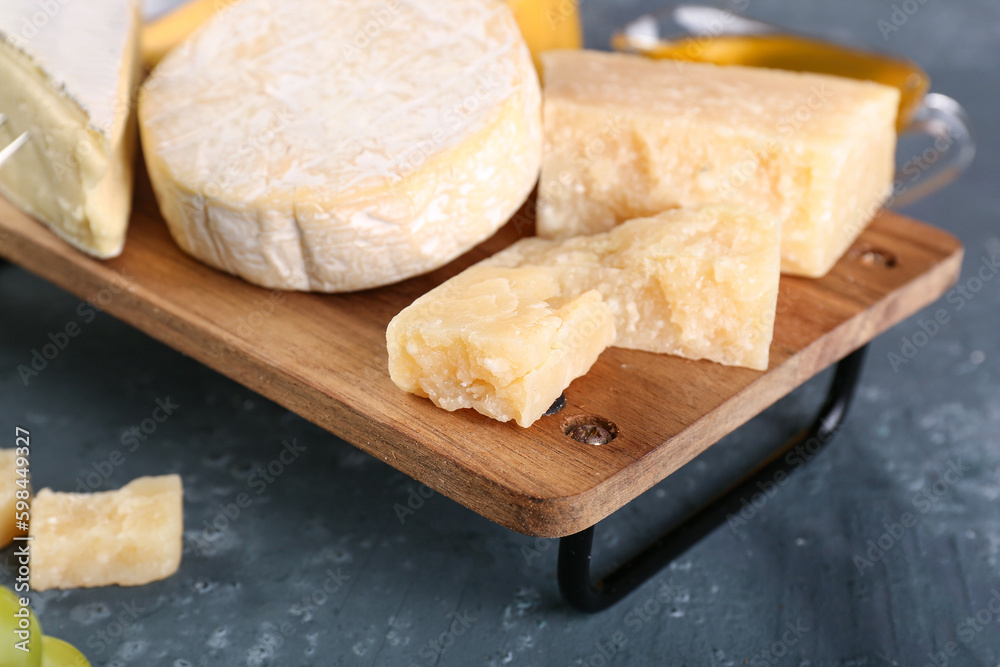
[{"x": 575, "y": 550}]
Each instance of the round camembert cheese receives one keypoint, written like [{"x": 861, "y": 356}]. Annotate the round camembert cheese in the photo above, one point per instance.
[{"x": 336, "y": 145}]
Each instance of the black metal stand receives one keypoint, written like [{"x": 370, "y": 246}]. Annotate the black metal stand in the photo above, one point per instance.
[{"x": 575, "y": 550}]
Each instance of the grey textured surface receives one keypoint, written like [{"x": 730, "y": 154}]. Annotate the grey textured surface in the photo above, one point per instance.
[{"x": 320, "y": 569}]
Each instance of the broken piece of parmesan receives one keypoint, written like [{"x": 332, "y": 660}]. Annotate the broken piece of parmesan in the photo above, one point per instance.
[
  {"x": 128, "y": 537},
  {"x": 508, "y": 335}
]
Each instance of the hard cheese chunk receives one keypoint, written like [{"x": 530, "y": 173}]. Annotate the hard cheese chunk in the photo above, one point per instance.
[
  {"x": 507, "y": 335},
  {"x": 503, "y": 341},
  {"x": 68, "y": 81},
  {"x": 8, "y": 495},
  {"x": 335, "y": 145},
  {"x": 128, "y": 537},
  {"x": 626, "y": 136},
  {"x": 699, "y": 283}
]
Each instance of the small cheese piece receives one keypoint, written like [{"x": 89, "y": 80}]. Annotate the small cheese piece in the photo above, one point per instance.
[
  {"x": 699, "y": 283},
  {"x": 626, "y": 136},
  {"x": 67, "y": 72},
  {"x": 503, "y": 341},
  {"x": 336, "y": 145},
  {"x": 9, "y": 487},
  {"x": 507, "y": 335},
  {"x": 128, "y": 537}
]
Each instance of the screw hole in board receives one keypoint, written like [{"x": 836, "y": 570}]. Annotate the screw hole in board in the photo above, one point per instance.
[
  {"x": 590, "y": 429},
  {"x": 870, "y": 256}
]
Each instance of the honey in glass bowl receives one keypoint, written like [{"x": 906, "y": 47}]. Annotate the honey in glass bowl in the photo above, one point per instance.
[{"x": 752, "y": 43}]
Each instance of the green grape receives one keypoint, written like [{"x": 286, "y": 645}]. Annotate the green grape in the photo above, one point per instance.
[
  {"x": 57, "y": 653},
  {"x": 10, "y": 655}
]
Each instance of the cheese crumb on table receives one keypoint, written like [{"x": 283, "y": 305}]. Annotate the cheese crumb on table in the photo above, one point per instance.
[
  {"x": 503, "y": 341},
  {"x": 508, "y": 335},
  {"x": 128, "y": 537},
  {"x": 8, "y": 496},
  {"x": 627, "y": 136}
]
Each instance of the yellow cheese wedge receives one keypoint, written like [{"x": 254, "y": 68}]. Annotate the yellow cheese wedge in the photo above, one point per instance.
[
  {"x": 505, "y": 342},
  {"x": 626, "y": 136},
  {"x": 8, "y": 495},
  {"x": 508, "y": 335},
  {"x": 128, "y": 537}
]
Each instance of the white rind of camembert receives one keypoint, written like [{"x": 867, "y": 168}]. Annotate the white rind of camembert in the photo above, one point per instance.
[{"x": 336, "y": 145}]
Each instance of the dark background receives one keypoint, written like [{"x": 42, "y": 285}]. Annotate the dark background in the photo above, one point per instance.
[{"x": 397, "y": 590}]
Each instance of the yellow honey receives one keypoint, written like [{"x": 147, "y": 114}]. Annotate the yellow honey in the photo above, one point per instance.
[{"x": 797, "y": 54}]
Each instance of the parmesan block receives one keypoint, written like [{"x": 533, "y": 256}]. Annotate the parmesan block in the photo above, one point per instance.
[
  {"x": 8, "y": 495},
  {"x": 336, "y": 145},
  {"x": 507, "y": 335},
  {"x": 504, "y": 341},
  {"x": 128, "y": 537},
  {"x": 626, "y": 136},
  {"x": 67, "y": 72}
]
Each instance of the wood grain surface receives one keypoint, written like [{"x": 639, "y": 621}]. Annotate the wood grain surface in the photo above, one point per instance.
[{"x": 324, "y": 357}]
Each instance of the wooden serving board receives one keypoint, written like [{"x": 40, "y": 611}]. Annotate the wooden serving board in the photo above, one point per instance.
[{"x": 324, "y": 357}]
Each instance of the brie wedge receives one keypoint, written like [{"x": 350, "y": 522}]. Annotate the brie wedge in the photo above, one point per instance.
[{"x": 67, "y": 72}]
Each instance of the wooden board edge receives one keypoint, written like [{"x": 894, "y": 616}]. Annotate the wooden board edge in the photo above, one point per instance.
[
  {"x": 535, "y": 516},
  {"x": 558, "y": 517}
]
